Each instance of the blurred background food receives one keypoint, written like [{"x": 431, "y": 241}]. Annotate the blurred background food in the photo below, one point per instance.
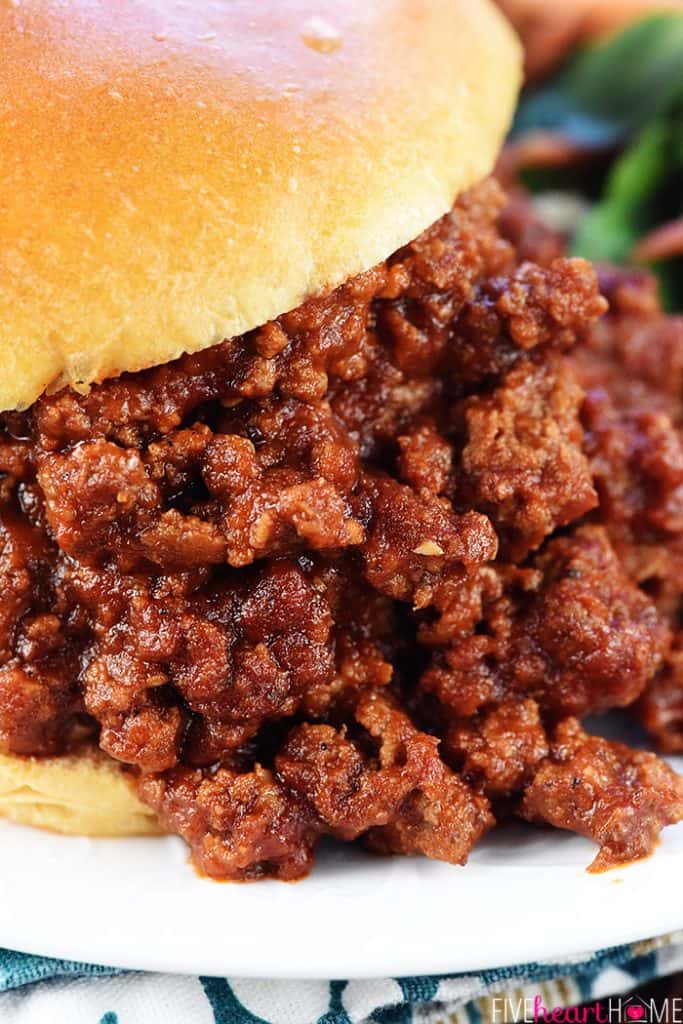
[
  {"x": 598, "y": 136},
  {"x": 549, "y": 29}
]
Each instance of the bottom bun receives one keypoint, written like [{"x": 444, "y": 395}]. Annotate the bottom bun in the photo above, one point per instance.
[{"x": 85, "y": 794}]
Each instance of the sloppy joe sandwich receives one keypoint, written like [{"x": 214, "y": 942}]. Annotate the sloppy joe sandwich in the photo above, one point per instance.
[{"x": 318, "y": 515}]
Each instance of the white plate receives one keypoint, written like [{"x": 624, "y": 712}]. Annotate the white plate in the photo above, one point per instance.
[{"x": 525, "y": 895}]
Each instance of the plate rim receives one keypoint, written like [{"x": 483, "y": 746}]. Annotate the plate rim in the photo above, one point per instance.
[{"x": 624, "y": 912}]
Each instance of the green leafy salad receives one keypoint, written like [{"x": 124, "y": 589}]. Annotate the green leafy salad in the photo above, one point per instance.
[{"x": 616, "y": 108}]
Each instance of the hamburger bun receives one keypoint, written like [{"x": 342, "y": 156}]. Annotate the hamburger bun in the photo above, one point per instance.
[
  {"x": 83, "y": 794},
  {"x": 177, "y": 174}
]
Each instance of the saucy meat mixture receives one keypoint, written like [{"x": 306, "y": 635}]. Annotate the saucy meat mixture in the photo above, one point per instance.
[{"x": 362, "y": 571}]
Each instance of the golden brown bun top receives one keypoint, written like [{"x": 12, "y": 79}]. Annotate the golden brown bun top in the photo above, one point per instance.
[{"x": 173, "y": 172}]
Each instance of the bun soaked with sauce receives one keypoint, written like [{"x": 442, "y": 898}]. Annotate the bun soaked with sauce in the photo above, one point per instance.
[{"x": 177, "y": 173}]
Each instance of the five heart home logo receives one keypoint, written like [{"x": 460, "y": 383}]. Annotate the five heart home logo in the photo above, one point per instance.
[{"x": 635, "y": 1010}]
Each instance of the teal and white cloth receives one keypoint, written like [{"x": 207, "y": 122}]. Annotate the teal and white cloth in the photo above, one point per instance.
[{"x": 37, "y": 990}]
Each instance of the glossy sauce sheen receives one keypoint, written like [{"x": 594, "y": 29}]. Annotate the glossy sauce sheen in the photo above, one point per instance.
[{"x": 361, "y": 571}]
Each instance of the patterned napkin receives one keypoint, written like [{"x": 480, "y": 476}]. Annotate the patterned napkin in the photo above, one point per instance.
[{"x": 37, "y": 990}]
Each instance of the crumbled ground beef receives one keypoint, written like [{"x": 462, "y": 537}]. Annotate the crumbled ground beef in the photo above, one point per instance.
[
  {"x": 352, "y": 573},
  {"x": 619, "y": 797},
  {"x": 630, "y": 363},
  {"x": 571, "y": 631}
]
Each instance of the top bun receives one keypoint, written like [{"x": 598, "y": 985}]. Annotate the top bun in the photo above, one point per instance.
[{"x": 173, "y": 173}]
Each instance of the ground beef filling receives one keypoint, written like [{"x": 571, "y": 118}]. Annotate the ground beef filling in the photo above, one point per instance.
[{"x": 358, "y": 572}]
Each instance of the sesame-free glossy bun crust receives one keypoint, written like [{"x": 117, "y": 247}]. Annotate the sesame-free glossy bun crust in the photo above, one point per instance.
[{"x": 173, "y": 173}]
